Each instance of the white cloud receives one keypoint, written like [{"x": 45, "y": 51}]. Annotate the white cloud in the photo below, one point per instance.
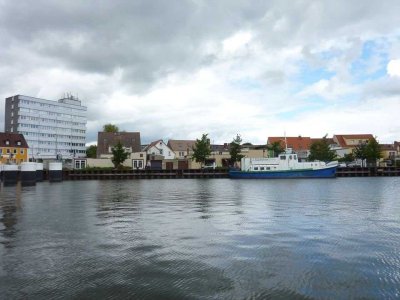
[
  {"x": 393, "y": 68},
  {"x": 236, "y": 42}
]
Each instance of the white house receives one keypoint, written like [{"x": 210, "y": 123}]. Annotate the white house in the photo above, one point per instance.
[{"x": 159, "y": 148}]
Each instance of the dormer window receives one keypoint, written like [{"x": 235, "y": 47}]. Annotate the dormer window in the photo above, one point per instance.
[
  {"x": 7, "y": 142},
  {"x": 19, "y": 143}
]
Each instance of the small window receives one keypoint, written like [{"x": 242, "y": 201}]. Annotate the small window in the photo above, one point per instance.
[
  {"x": 268, "y": 168},
  {"x": 290, "y": 157},
  {"x": 19, "y": 143},
  {"x": 141, "y": 154},
  {"x": 262, "y": 168},
  {"x": 283, "y": 157},
  {"x": 7, "y": 142},
  {"x": 22, "y": 151},
  {"x": 15, "y": 151},
  {"x": 255, "y": 168}
]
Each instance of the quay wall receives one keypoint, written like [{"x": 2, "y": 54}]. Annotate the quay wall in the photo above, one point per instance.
[{"x": 194, "y": 173}]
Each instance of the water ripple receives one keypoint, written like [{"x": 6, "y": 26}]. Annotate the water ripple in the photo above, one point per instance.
[{"x": 201, "y": 239}]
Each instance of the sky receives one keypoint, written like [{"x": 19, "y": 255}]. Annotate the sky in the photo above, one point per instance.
[{"x": 178, "y": 69}]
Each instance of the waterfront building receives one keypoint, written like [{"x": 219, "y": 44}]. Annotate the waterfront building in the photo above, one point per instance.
[
  {"x": 299, "y": 144},
  {"x": 13, "y": 148},
  {"x": 183, "y": 150},
  {"x": 52, "y": 129},
  {"x": 159, "y": 148},
  {"x": 159, "y": 155},
  {"x": 388, "y": 151},
  {"x": 107, "y": 140},
  {"x": 347, "y": 143}
]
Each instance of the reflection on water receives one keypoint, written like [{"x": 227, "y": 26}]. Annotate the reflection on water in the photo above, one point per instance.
[{"x": 205, "y": 238}]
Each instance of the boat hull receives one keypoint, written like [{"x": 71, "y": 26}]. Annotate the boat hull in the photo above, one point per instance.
[{"x": 320, "y": 173}]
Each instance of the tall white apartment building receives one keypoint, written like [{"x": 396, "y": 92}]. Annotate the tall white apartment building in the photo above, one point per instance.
[{"x": 52, "y": 129}]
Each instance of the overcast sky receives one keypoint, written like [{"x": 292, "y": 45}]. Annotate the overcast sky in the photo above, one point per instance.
[{"x": 177, "y": 69}]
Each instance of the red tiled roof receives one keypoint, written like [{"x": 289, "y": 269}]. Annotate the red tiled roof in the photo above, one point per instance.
[
  {"x": 329, "y": 140},
  {"x": 296, "y": 143},
  {"x": 342, "y": 142},
  {"x": 13, "y": 139}
]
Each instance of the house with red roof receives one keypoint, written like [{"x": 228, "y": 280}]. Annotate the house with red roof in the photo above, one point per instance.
[
  {"x": 13, "y": 148},
  {"x": 298, "y": 144},
  {"x": 346, "y": 143}
]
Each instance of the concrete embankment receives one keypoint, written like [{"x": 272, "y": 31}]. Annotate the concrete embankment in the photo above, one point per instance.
[{"x": 13, "y": 176}]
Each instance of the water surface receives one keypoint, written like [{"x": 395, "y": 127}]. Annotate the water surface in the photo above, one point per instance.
[{"x": 201, "y": 239}]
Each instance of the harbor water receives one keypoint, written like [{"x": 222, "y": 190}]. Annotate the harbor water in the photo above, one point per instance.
[{"x": 201, "y": 239}]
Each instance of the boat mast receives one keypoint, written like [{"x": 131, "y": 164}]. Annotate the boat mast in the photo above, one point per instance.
[{"x": 285, "y": 141}]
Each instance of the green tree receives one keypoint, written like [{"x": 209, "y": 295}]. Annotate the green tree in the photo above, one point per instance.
[
  {"x": 370, "y": 151},
  {"x": 234, "y": 149},
  {"x": 275, "y": 148},
  {"x": 347, "y": 158},
  {"x": 201, "y": 150},
  {"x": 91, "y": 151},
  {"x": 320, "y": 150},
  {"x": 110, "y": 128},
  {"x": 119, "y": 155}
]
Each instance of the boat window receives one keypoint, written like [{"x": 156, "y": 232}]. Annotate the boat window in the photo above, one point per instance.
[
  {"x": 268, "y": 168},
  {"x": 262, "y": 168},
  {"x": 283, "y": 157},
  {"x": 290, "y": 157},
  {"x": 255, "y": 168},
  {"x": 295, "y": 156}
]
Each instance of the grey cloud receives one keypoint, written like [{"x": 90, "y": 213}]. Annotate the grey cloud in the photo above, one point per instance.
[
  {"x": 385, "y": 87},
  {"x": 147, "y": 39}
]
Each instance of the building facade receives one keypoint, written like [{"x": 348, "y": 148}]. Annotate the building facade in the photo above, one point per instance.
[
  {"x": 107, "y": 140},
  {"x": 52, "y": 129},
  {"x": 159, "y": 148},
  {"x": 13, "y": 148}
]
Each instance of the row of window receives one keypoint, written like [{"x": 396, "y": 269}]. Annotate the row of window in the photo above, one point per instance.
[
  {"x": 51, "y": 143},
  {"x": 51, "y": 120},
  {"x": 283, "y": 157},
  {"x": 49, "y": 113},
  {"x": 45, "y": 105},
  {"x": 52, "y": 128},
  {"x": 60, "y": 150},
  {"x": 263, "y": 168},
  {"x": 14, "y": 151},
  {"x": 137, "y": 164},
  {"x": 8, "y": 143},
  {"x": 51, "y": 135}
]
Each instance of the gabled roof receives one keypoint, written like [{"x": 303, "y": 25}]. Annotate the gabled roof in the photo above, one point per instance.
[
  {"x": 296, "y": 143},
  {"x": 341, "y": 138},
  {"x": 387, "y": 147},
  {"x": 152, "y": 144},
  {"x": 110, "y": 139},
  {"x": 181, "y": 145},
  {"x": 13, "y": 139}
]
